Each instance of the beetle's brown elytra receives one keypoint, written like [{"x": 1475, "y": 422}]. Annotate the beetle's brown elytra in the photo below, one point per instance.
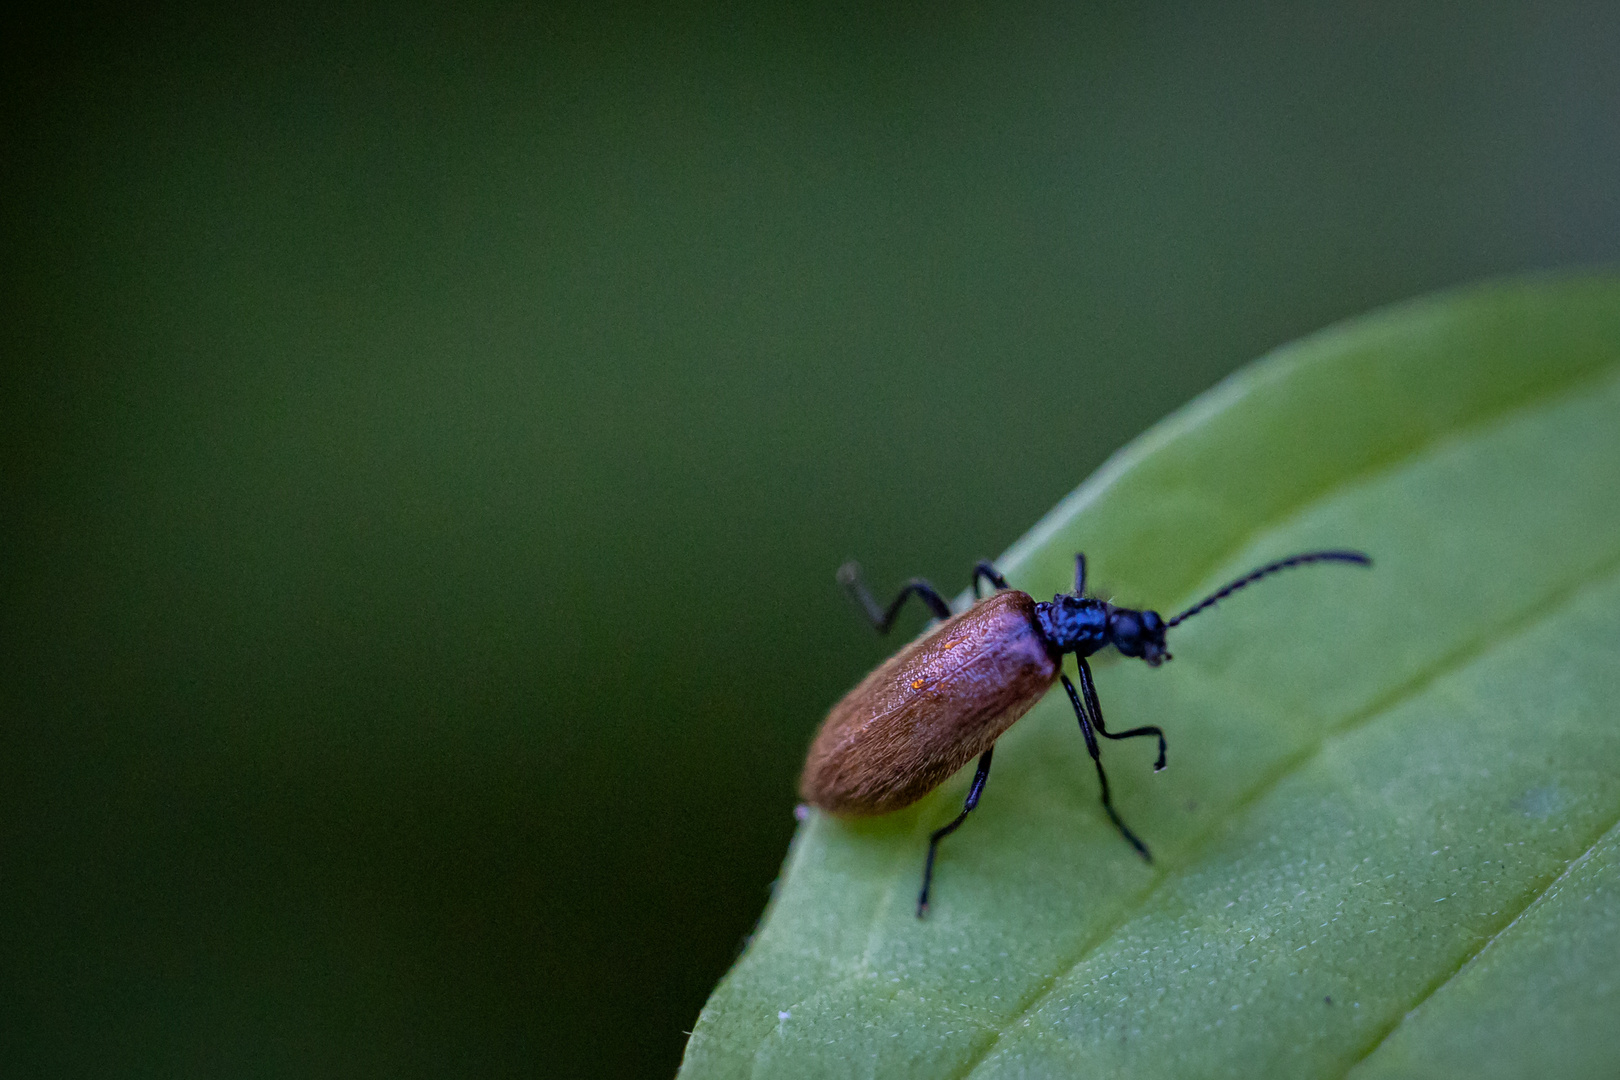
[
  {"x": 947, "y": 697},
  {"x": 935, "y": 706}
]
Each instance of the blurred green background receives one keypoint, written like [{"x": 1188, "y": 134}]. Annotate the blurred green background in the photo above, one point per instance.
[{"x": 428, "y": 438}]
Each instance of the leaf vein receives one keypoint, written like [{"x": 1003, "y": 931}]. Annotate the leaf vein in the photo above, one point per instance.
[{"x": 1469, "y": 960}]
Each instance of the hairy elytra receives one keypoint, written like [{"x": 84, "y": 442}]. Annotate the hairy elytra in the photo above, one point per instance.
[
  {"x": 935, "y": 706},
  {"x": 948, "y": 696}
]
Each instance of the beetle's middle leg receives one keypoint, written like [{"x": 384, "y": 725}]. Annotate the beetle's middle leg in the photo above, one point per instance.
[
  {"x": 941, "y": 833},
  {"x": 849, "y": 576},
  {"x": 1102, "y": 777},
  {"x": 987, "y": 570}
]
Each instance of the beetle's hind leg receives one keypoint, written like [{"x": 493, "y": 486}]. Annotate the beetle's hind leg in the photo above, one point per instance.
[
  {"x": 849, "y": 576},
  {"x": 972, "y": 800},
  {"x": 987, "y": 570},
  {"x": 1102, "y": 777},
  {"x": 1097, "y": 720}
]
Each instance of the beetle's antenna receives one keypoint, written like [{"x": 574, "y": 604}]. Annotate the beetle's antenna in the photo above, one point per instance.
[{"x": 1270, "y": 568}]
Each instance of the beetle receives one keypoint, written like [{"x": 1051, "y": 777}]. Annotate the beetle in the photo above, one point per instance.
[{"x": 948, "y": 696}]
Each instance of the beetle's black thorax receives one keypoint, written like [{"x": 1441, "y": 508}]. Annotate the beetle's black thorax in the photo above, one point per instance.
[
  {"x": 1073, "y": 624},
  {"x": 1082, "y": 625}
]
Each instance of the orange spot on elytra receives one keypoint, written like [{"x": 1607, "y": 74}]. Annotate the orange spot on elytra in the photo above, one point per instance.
[{"x": 916, "y": 684}]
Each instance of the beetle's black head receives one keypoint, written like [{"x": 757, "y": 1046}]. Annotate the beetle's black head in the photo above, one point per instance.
[{"x": 1138, "y": 633}]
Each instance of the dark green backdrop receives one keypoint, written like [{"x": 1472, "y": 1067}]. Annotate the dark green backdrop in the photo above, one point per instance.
[{"x": 428, "y": 440}]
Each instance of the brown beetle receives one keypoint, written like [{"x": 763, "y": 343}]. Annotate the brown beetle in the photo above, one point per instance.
[{"x": 947, "y": 697}]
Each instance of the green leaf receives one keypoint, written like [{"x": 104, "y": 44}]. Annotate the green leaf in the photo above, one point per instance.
[{"x": 1387, "y": 839}]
